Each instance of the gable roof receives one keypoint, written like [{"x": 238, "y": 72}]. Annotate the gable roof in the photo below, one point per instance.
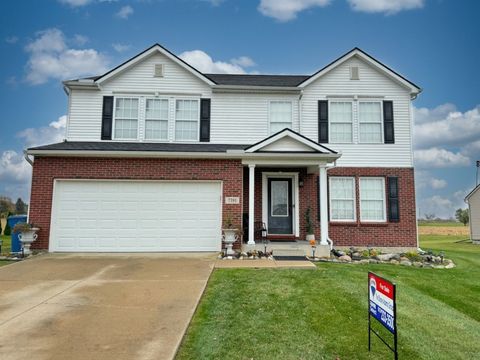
[
  {"x": 144, "y": 54},
  {"x": 248, "y": 80},
  {"x": 314, "y": 146},
  {"x": 370, "y": 60},
  {"x": 470, "y": 194}
]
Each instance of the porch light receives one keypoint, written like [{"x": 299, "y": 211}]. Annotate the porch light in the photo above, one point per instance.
[{"x": 300, "y": 183}]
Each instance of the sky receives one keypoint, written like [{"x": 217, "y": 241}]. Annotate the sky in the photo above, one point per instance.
[{"x": 434, "y": 43}]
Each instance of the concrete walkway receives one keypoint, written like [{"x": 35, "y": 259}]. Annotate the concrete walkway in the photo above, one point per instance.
[{"x": 99, "y": 306}]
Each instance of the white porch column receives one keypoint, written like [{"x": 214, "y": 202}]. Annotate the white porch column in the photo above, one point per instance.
[
  {"x": 251, "y": 204},
  {"x": 322, "y": 183}
]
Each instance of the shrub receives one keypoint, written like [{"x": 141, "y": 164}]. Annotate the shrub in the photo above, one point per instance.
[
  {"x": 413, "y": 256},
  {"x": 365, "y": 253}
]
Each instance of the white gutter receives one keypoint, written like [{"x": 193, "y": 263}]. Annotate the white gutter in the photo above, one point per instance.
[
  {"x": 238, "y": 154},
  {"x": 25, "y": 155},
  {"x": 259, "y": 89}
]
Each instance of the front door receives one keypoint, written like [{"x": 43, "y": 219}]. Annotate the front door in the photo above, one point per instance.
[{"x": 280, "y": 207}]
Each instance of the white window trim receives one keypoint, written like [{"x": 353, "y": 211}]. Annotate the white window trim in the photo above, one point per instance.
[
  {"x": 354, "y": 199},
  {"x": 270, "y": 113},
  {"x": 114, "y": 119},
  {"x": 174, "y": 138},
  {"x": 382, "y": 141},
  {"x": 340, "y": 100},
  {"x": 384, "y": 220},
  {"x": 145, "y": 120}
]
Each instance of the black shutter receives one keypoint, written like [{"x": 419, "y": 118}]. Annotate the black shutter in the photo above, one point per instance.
[
  {"x": 323, "y": 121},
  {"x": 107, "y": 117},
  {"x": 389, "y": 136},
  {"x": 393, "y": 206},
  {"x": 205, "y": 120}
]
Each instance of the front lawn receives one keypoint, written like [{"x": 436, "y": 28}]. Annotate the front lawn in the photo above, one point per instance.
[
  {"x": 6, "y": 240},
  {"x": 322, "y": 314}
]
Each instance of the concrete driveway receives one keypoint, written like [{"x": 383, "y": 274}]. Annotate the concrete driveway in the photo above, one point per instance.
[{"x": 99, "y": 306}]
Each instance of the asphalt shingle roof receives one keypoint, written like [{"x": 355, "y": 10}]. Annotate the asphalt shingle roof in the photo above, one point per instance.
[
  {"x": 258, "y": 80},
  {"x": 134, "y": 146}
]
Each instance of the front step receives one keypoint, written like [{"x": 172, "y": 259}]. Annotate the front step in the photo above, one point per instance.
[{"x": 296, "y": 248}]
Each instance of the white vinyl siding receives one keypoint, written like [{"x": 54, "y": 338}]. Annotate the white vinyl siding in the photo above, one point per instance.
[
  {"x": 342, "y": 199},
  {"x": 280, "y": 115},
  {"x": 156, "y": 119},
  {"x": 370, "y": 121},
  {"x": 372, "y": 200},
  {"x": 187, "y": 120},
  {"x": 126, "y": 119},
  {"x": 372, "y": 86},
  {"x": 341, "y": 121}
]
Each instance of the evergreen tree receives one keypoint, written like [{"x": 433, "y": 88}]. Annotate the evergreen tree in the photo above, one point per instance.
[{"x": 20, "y": 207}]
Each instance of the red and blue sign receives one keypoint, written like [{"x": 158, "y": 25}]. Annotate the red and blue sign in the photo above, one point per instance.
[{"x": 381, "y": 295}]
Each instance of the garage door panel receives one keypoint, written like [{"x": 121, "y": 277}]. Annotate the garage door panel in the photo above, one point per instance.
[{"x": 136, "y": 216}]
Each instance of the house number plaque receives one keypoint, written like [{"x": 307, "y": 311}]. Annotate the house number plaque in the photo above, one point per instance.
[{"x": 232, "y": 200}]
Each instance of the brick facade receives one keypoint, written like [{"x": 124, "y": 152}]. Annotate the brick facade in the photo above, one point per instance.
[
  {"x": 235, "y": 183},
  {"x": 47, "y": 169},
  {"x": 388, "y": 234}
]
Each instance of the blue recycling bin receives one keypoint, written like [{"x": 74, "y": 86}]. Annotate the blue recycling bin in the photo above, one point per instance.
[{"x": 12, "y": 220}]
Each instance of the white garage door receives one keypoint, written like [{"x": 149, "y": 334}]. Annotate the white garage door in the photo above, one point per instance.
[{"x": 136, "y": 216}]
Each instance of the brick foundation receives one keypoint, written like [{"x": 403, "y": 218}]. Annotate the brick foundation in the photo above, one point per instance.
[{"x": 47, "y": 169}]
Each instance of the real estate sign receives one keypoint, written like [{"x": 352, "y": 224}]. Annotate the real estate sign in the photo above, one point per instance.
[
  {"x": 382, "y": 306},
  {"x": 382, "y": 301}
]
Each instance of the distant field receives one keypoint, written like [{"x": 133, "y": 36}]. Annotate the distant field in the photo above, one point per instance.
[{"x": 442, "y": 228}]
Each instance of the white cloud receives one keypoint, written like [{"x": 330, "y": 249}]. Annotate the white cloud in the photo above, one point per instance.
[
  {"x": 11, "y": 39},
  {"x": 243, "y": 61},
  {"x": 440, "y": 158},
  {"x": 53, "y": 133},
  {"x": 286, "y": 10},
  {"x": 124, "y": 12},
  {"x": 50, "y": 58},
  {"x": 80, "y": 40},
  {"x": 444, "y": 125},
  {"x": 438, "y": 183},
  {"x": 13, "y": 167},
  {"x": 75, "y": 3},
  {"x": 204, "y": 63},
  {"x": 385, "y": 6},
  {"x": 442, "y": 206},
  {"x": 214, "y": 2},
  {"x": 120, "y": 47}
]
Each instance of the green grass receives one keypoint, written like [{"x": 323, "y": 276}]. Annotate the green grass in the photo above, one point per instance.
[
  {"x": 446, "y": 223},
  {"x": 322, "y": 314},
  {"x": 6, "y": 240}
]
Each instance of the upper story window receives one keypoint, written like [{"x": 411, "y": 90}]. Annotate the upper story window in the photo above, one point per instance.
[
  {"x": 342, "y": 199},
  {"x": 341, "y": 121},
  {"x": 370, "y": 122},
  {"x": 280, "y": 116},
  {"x": 187, "y": 120},
  {"x": 126, "y": 118},
  {"x": 156, "y": 119},
  {"x": 372, "y": 199}
]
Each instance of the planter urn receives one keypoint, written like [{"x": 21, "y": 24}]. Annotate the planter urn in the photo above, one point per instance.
[
  {"x": 229, "y": 237},
  {"x": 27, "y": 238},
  {"x": 310, "y": 237}
]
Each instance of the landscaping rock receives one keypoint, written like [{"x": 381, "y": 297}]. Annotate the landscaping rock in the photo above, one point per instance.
[
  {"x": 395, "y": 262},
  {"x": 428, "y": 266},
  {"x": 374, "y": 261},
  {"x": 345, "y": 258},
  {"x": 356, "y": 256},
  {"x": 406, "y": 262},
  {"x": 386, "y": 257},
  {"x": 338, "y": 253},
  {"x": 364, "y": 261},
  {"x": 403, "y": 258},
  {"x": 450, "y": 265},
  {"x": 417, "y": 264}
]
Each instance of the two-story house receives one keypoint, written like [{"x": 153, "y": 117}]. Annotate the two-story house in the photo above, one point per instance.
[{"x": 158, "y": 155}]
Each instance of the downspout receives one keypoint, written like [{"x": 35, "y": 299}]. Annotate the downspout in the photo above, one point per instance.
[
  {"x": 300, "y": 111},
  {"x": 25, "y": 155},
  {"x": 329, "y": 240}
]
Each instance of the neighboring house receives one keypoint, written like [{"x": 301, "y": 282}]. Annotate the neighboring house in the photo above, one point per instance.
[
  {"x": 157, "y": 154},
  {"x": 473, "y": 201}
]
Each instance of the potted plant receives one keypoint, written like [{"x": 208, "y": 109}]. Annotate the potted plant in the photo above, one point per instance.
[
  {"x": 309, "y": 225},
  {"x": 28, "y": 234},
  {"x": 230, "y": 235}
]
